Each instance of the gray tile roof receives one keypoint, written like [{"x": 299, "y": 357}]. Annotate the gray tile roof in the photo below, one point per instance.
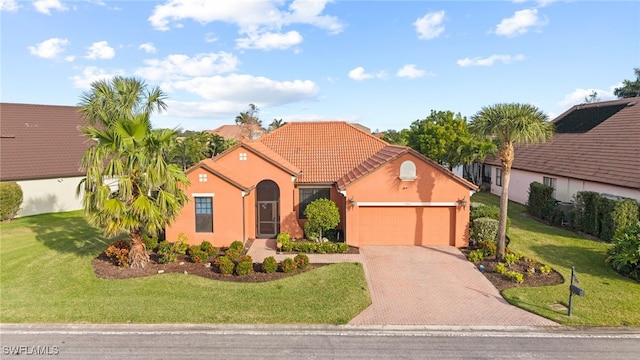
[{"x": 40, "y": 141}]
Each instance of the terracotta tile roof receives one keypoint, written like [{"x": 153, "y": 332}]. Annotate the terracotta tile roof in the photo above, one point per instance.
[
  {"x": 234, "y": 132},
  {"x": 40, "y": 141},
  {"x": 222, "y": 172},
  {"x": 389, "y": 153},
  {"x": 606, "y": 153},
  {"x": 325, "y": 151},
  {"x": 264, "y": 152}
]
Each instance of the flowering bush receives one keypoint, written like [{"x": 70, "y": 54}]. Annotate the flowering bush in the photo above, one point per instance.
[
  {"x": 269, "y": 265},
  {"x": 301, "y": 260},
  {"x": 288, "y": 265},
  {"x": 244, "y": 266},
  {"x": 225, "y": 265}
]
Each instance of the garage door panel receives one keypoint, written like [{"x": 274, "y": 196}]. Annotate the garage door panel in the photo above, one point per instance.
[{"x": 406, "y": 225}]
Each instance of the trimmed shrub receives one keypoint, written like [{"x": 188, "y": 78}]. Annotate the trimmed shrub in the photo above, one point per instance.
[
  {"x": 225, "y": 265},
  {"x": 616, "y": 216},
  {"x": 196, "y": 254},
  {"x": 515, "y": 276},
  {"x": 322, "y": 215},
  {"x": 244, "y": 265},
  {"x": 118, "y": 252},
  {"x": 302, "y": 261},
  {"x": 233, "y": 254},
  {"x": 540, "y": 201},
  {"x": 500, "y": 269},
  {"x": 182, "y": 245},
  {"x": 208, "y": 248},
  {"x": 237, "y": 245},
  {"x": 485, "y": 229},
  {"x": 288, "y": 265},
  {"x": 269, "y": 265},
  {"x": 476, "y": 255},
  {"x": 586, "y": 212},
  {"x": 150, "y": 242},
  {"x": 511, "y": 258},
  {"x": 544, "y": 269},
  {"x": 166, "y": 252},
  {"x": 11, "y": 197},
  {"x": 624, "y": 255}
]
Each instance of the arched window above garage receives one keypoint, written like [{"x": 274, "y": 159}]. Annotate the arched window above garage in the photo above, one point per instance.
[{"x": 408, "y": 171}]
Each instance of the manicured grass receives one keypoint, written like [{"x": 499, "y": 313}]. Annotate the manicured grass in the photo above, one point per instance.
[
  {"x": 46, "y": 276},
  {"x": 610, "y": 299}
]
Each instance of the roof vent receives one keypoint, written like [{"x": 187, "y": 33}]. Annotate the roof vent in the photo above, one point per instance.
[{"x": 631, "y": 103}]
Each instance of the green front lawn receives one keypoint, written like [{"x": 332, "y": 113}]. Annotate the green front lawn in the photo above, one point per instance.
[
  {"x": 611, "y": 299},
  {"x": 46, "y": 276}
]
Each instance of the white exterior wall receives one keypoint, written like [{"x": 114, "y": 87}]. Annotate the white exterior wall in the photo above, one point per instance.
[
  {"x": 566, "y": 188},
  {"x": 49, "y": 196}
]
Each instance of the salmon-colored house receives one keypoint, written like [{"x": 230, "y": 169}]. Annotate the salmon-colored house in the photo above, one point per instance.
[{"x": 386, "y": 194}]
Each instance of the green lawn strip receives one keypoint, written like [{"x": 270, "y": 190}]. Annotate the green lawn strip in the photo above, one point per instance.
[
  {"x": 46, "y": 276},
  {"x": 611, "y": 299}
]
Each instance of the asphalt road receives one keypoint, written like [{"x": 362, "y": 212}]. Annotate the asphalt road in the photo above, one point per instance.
[{"x": 313, "y": 342}]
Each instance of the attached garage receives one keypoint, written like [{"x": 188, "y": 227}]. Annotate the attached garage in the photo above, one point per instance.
[{"x": 411, "y": 224}]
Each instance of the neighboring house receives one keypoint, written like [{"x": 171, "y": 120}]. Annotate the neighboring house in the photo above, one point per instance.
[
  {"x": 386, "y": 194},
  {"x": 596, "y": 148},
  {"x": 41, "y": 149},
  {"x": 238, "y": 132}
]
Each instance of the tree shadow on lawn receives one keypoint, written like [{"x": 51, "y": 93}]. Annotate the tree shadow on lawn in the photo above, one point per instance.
[
  {"x": 586, "y": 260},
  {"x": 67, "y": 233}
]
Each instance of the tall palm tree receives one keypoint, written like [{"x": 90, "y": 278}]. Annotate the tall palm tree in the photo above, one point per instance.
[
  {"x": 507, "y": 125},
  {"x": 127, "y": 152},
  {"x": 111, "y": 99}
]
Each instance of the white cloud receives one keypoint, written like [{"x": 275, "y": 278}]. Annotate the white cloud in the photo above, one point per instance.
[
  {"x": 9, "y": 5},
  {"x": 45, "y": 6},
  {"x": 268, "y": 41},
  {"x": 261, "y": 21},
  {"x": 410, "y": 71},
  {"x": 180, "y": 67},
  {"x": 578, "y": 97},
  {"x": 520, "y": 23},
  {"x": 49, "y": 49},
  {"x": 148, "y": 47},
  {"x": 91, "y": 74},
  {"x": 249, "y": 89},
  {"x": 210, "y": 37},
  {"x": 489, "y": 61},
  {"x": 100, "y": 50},
  {"x": 359, "y": 74},
  {"x": 430, "y": 26}
]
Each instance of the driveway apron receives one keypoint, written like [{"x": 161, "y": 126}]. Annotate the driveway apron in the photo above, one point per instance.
[{"x": 412, "y": 285}]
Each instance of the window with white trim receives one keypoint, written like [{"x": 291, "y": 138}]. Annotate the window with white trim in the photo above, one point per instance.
[
  {"x": 499, "y": 176},
  {"x": 204, "y": 214},
  {"x": 202, "y": 177},
  {"x": 242, "y": 156},
  {"x": 408, "y": 171},
  {"x": 308, "y": 195}
]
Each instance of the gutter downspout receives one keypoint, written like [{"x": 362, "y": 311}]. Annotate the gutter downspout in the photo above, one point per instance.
[
  {"x": 244, "y": 225},
  {"x": 344, "y": 232}
]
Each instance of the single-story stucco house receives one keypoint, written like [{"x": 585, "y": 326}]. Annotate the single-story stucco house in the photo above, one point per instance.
[
  {"x": 386, "y": 194},
  {"x": 41, "y": 149},
  {"x": 596, "y": 148}
]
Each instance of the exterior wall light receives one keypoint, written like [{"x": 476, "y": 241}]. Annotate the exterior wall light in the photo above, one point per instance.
[
  {"x": 463, "y": 202},
  {"x": 352, "y": 202}
]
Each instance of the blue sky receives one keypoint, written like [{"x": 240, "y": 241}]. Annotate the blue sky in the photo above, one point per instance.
[{"x": 382, "y": 64}]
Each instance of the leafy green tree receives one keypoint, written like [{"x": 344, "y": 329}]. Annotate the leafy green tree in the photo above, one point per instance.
[
  {"x": 629, "y": 88},
  {"x": 440, "y": 137},
  {"x": 473, "y": 152},
  {"x": 507, "y": 125},
  {"x": 395, "y": 137},
  {"x": 128, "y": 153},
  {"x": 593, "y": 97},
  {"x": 189, "y": 150},
  {"x": 218, "y": 144},
  {"x": 322, "y": 215}
]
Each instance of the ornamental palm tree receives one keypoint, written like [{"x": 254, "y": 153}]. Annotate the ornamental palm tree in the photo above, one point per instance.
[
  {"x": 128, "y": 153},
  {"x": 507, "y": 125},
  {"x": 149, "y": 190}
]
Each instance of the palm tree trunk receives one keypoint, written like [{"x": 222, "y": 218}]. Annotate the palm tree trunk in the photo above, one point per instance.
[
  {"x": 138, "y": 256},
  {"x": 506, "y": 155}
]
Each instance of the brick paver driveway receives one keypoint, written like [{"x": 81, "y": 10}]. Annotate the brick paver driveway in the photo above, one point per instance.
[{"x": 411, "y": 285}]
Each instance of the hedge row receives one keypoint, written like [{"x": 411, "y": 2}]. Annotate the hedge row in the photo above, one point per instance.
[{"x": 602, "y": 217}]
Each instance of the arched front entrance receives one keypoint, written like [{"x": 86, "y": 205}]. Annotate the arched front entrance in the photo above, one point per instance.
[{"x": 267, "y": 209}]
